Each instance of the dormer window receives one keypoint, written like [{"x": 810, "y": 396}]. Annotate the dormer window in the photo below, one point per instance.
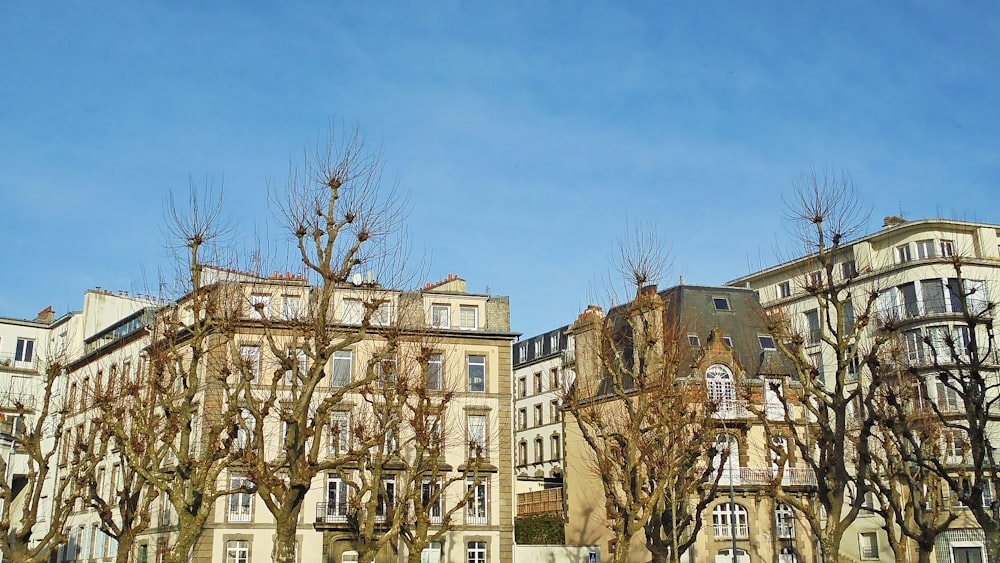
[
  {"x": 766, "y": 342},
  {"x": 721, "y": 303}
]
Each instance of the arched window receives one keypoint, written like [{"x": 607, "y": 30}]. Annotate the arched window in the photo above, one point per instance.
[
  {"x": 784, "y": 522},
  {"x": 779, "y": 450},
  {"x": 721, "y": 389},
  {"x": 787, "y": 555},
  {"x": 728, "y": 518}
]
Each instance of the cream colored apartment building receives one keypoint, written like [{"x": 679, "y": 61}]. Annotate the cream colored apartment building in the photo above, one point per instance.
[
  {"x": 911, "y": 266},
  {"x": 726, "y": 351},
  {"x": 469, "y": 339}
]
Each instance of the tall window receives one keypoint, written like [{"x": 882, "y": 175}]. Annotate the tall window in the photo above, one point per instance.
[
  {"x": 435, "y": 372},
  {"x": 538, "y": 415},
  {"x": 291, "y": 307},
  {"x": 476, "y": 552},
  {"x": 947, "y": 248},
  {"x": 728, "y": 518},
  {"x": 340, "y": 432},
  {"x": 382, "y": 315},
  {"x": 903, "y": 254},
  {"x": 784, "y": 290},
  {"x": 539, "y": 451},
  {"x": 250, "y": 355},
  {"x": 556, "y": 447},
  {"x": 336, "y": 499},
  {"x": 812, "y": 326},
  {"x": 237, "y": 551},
  {"x": 430, "y": 498},
  {"x": 932, "y": 293},
  {"x": 441, "y": 315},
  {"x": 925, "y": 249},
  {"x": 244, "y": 434},
  {"x": 343, "y": 368},
  {"x": 477, "y": 436},
  {"x": 727, "y": 456},
  {"x": 477, "y": 373},
  {"x": 386, "y": 498},
  {"x": 241, "y": 503},
  {"x": 468, "y": 317},
  {"x": 387, "y": 371},
  {"x": 522, "y": 453},
  {"x": 538, "y": 382},
  {"x": 522, "y": 418},
  {"x": 301, "y": 360},
  {"x": 784, "y": 520},
  {"x": 476, "y": 509},
  {"x": 721, "y": 389}
]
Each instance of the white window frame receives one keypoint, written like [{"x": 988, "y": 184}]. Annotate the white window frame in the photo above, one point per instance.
[
  {"x": 427, "y": 490},
  {"x": 435, "y": 372},
  {"x": 262, "y": 299},
  {"x": 343, "y": 360},
  {"x": 340, "y": 442},
  {"x": 477, "y": 508},
  {"x": 471, "y": 364},
  {"x": 903, "y": 253},
  {"x": 291, "y": 307},
  {"x": 24, "y": 350},
  {"x": 464, "y": 323},
  {"x": 336, "y": 499},
  {"x": 722, "y": 521},
  {"x": 382, "y": 315},
  {"x": 386, "y": 498},
  {"x": 251, "y": 358},
  {"x": 784, "y": 289},
  {"x": 476, "y": 552},
  {"x": 477, "y": 427},
  {"x": 352, "y": 311},
  {"x": 440, "y": 315},
  {"x": 947, "y": 248},
  {"x": 925, "y": 249},
  {"x": 868, "y": 546},
  {"x": 237, "y": 551},
  {"x": 240, "y": 507}
]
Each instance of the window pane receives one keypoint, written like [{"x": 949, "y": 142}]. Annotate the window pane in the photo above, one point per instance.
[{"x": 477, "y": 373}]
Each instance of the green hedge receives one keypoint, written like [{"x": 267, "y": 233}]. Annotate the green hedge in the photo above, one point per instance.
[{"x": 540, "y": 529}]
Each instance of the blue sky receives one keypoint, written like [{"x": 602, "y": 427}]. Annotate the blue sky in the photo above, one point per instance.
[{"x": 529, "y": 135}]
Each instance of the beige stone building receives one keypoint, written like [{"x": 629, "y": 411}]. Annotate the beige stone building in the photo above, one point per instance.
[
  {"x": 466, "y": 342},
  {"x": 911, "y": 266},
  {"x": 727, "y": 355}
]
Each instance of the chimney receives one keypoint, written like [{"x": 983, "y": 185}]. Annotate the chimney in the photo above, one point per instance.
[{"x": 46, "y": 315}]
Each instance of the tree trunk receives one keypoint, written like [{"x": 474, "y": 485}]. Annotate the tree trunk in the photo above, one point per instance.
[
  {"x": 125, "y": 545},
  {"x": 284, "y": 538},
  {"x": 829, "y": 549},
  {"x": 923, "y": 556},
  {"x": 992, "y": 545}
]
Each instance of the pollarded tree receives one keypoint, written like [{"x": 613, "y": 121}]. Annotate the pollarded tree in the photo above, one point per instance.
[
  {"x": 345, "y": 226},
  {"x": 646, "y": 428},
  {"x": 834, "y": 349}
]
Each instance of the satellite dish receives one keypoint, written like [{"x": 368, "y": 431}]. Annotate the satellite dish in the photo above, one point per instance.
[{"x": 356, "y": 279}]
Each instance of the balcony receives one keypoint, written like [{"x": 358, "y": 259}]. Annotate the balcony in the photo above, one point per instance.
[
  {"x": 731, "y": 409},
  {"x": 725, "y": 531},
  {"x": 331, "y": 513},
  {"x": 8, "y": 361},
  {"x": 764, "y": 476},
  {"x": 477, "y": 519}
]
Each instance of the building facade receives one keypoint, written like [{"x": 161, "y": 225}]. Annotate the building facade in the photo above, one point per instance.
[
  {"x": 727, "y": 358},
  {"x": 912, "y": 267}
]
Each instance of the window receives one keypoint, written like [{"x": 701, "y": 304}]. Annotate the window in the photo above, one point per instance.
[
  {"x": 350, "y": 556},
  {"x": 947, "y": 248},
  {"x": 441, "y": 316},
  {"x": 237, "y": 551},
  {"x": 353, "y": 312},
  {"x": 539, "y": 420},
  {"x": 977, "y": 296},
  {"x": 815, "y": 279},
  {"x": 250, "y": 356},
  {"x": 766, "y": 342},
  {"x": 476, "y": 552},
  {"x": 336, "y": 499},
  {"x": 522, "y": 450},
  {"x": 24, "y": 350},
  {"x": 291, "y": 307},
  {"x": 477, "y": 436},
  {"x": 538, "y": 382},
  {"x": 522, "y": 352},
  {"x": 477, "y": 373},
  {"x": 301, "y": 365},
  {"x": 925, "y": 249},
  {"x": 554, "y": 414},
  {"x": 721, "y": 303},
  {"x": 245, "y": 432},
  {"x": 554, "y": 343},
  {"x": 914, "y": 347},
  {"x": 774, "y": 399},
  {"x": 241, "y": 503},
  {"x": 721, "y": 389},
  {"x": 784, "y": 289},
  {"x": 932, "y": 293},
  {"x": 967, "y": 554},
  {"x": 430, "y": 497},
  {"x": 386, "y": 374},
  {"x": 468, "y": 317},
  {"x": 538, "y": 348},
  {"x": 476, "y": 509},
  {"x": 903, "y": 254},
  {"x": 522, "y": 418},
  {"x": 435, "y": 372},
  {"x": 343, "y": 368},
  {"x": 784, "y": 520},
  {"x": 812, "y": 326},
  {"x": 953, "y": 447},
  {"x": 693, "y": 340},
  {"x": 869, "y": 545},
  {"x": 555, "y": 379},
  {"x": 260, "y": 306},
  {"x": 382, "y": 315},
  {"x": 522, "y": 386},
  {"x": 727, "y": 341},
  {"x": 431, "y": 554},
  {"x": 556, "y": 447},
  {"x": 727, "y": 455},
  {"x": 849, "y": 269},
  {"x": 340, "y": 432},
  {"x": 729, "y": 518},
  {"x": 848, "y": 317},
  {"x": 386, "y": 498}
]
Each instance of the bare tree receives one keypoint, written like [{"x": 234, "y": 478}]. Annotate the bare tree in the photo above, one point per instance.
[
  {"x": 40, "y": 480},
  {"x": 834, "y": 350},
  {"x": 645, "y": 427}
]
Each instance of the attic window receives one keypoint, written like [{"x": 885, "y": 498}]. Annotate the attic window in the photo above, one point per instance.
[
  {"x": 766, "y": 342},
  {"x": 693, "y": 340},
  {"x": 728, "y": 341},
  {"x": 721, "y": 303}
]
